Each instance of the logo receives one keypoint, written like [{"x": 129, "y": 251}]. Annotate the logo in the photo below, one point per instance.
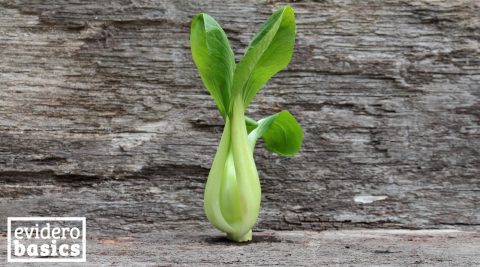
[{"x": 46, "y": 239}]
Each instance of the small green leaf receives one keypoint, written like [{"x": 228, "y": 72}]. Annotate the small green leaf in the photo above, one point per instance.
[
  {"x": 269, "y": 52},
  {"x": 250, "y": 123},
  {"x": 281, "y": 133},
  {"x": 214, "y": 58}
]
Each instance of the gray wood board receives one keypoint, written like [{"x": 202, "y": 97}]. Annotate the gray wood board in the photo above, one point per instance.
[
  {"x": 103, "y": 114},
  {"x": 188, "y": 246}
]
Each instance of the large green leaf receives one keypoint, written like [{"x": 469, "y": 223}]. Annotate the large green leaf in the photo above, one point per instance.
[
  {"x": 214, "y": 58},
  {"x": 269, "y": 52},
  {"x": 281, "y": 133}
]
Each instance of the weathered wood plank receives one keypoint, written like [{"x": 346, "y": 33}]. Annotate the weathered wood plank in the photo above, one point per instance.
[
  {"x": 100, "y": 105},
  {"x": 190, "y": 247}
]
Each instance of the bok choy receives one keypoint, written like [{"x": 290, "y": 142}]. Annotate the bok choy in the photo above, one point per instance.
[{"x": 232, "y": 193}]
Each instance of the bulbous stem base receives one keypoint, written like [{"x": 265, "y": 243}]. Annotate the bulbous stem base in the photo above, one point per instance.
[{"x": 246, "y": 237}]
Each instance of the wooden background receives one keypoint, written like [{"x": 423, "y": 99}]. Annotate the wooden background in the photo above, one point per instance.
[{"x": 103, "y": 114}]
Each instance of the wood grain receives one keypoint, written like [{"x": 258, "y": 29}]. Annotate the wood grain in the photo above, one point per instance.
[
  {"x": 103, "y": 114},
  {"x": 189, "y": 247}
]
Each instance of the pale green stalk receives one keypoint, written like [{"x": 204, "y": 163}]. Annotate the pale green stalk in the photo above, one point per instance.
[
  {"x": 246, "y": 172},
  {"x": 212, "y": 189},
  {"x": 232, "y": 193}
]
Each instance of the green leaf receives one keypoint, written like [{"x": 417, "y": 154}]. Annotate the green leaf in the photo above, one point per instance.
[
  {"x": 251, "y": 124},
  {"x": 214, "y": 58},
  {"x": 281, "y": 133},
  {"x": 269, "y": 52}
]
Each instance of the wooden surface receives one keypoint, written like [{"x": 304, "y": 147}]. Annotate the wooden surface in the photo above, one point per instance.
[
  {"x": 188, "y": 246},
  {"x": 103, "y": 115}
]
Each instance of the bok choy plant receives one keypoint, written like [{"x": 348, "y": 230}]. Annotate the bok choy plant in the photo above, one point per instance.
[{"x": 232, "y": 192}]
